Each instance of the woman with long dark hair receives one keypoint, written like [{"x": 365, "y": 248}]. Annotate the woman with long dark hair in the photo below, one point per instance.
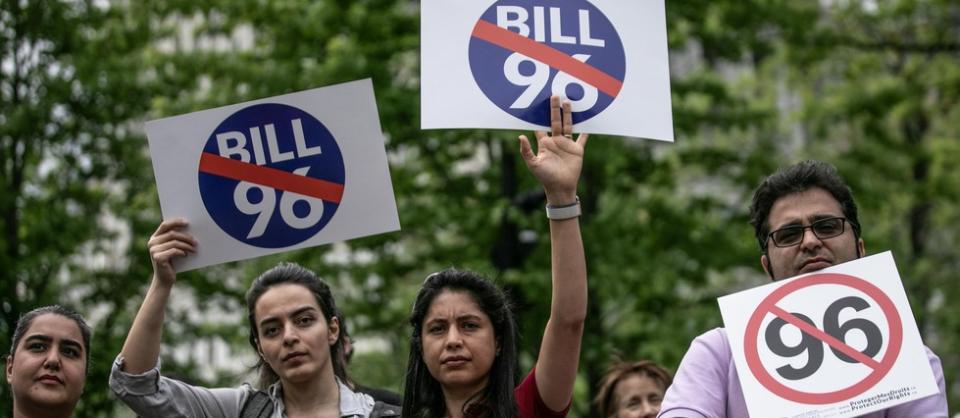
[
  {"x": 294, "y": 330},
  {"x": 48, "y": 362},
  {"x": 463, "y": 354}
]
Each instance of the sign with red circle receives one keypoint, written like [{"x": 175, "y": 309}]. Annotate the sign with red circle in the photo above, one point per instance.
[
  {"x": 496, "y": 63},
  {"x": 841, "y": 342},
  {"x": 275, "y": 174},
  {"x": 879, "y": 366}
]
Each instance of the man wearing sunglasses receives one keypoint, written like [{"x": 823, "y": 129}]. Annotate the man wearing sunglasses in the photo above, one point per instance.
[{"x": 805, "y": 219}]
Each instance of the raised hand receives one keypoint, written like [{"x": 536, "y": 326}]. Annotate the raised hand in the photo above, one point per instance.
[
  {"x": 168, "y": 242},
  {"x": 557, "y": 166},
  {"x": 559, "y": 158},
  {"x": 142, "y": 346}
]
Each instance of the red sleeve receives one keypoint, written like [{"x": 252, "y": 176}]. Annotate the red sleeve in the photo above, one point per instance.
[{"x": 529, "y": 402}]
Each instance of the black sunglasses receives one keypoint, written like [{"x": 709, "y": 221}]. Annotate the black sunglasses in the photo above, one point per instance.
[{"x": 789, "y": 236}]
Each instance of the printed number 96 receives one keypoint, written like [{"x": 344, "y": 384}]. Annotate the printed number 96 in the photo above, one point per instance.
[
  {"x": 535, "y": 82},
  {"x": 814, "y": 347},
  {"x": 267, "y": 205}
]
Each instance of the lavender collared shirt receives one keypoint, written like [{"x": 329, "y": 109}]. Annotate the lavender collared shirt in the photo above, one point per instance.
[{"x": 707, "y": 386}]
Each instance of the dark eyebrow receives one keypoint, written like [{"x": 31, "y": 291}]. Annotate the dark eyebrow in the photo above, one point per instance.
[
  {"x": 72, "y": 344},
  {"x": 302, "y": 310},
  {"x": 799, "y": 222},
  {"x": 47, "y": 339},
  {"x": 469, "y": 316},
  {"x": 293, "y": 314},
  {"x": 787, "y": 224},
  {"x": 40, "y": 337},
  {"x": 431, "y": 321},
  {"x": 267, "y": 320}
]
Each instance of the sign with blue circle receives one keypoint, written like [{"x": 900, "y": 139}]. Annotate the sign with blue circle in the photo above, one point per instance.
[
  {"x": 271, "y": 175},
  {"x": 523, "y": 51}
]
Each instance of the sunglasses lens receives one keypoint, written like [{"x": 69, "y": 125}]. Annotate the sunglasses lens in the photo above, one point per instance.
[
  {"x": 787, "y": 236},
  {"x": 792, "y": 235},
  {"x": 828, "y": 228}
]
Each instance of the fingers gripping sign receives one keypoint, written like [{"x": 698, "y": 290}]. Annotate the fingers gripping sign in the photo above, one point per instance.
[
  {"x": 559, "y": 159},
  {"x": 167, "y": 243}
]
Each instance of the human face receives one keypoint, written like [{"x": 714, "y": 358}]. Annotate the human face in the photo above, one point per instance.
[
  {"x": 637, "y": 396},
  {"x": 293, "y": 335},
  {"x": 49, "y": 366},
  {"x": 458, "y": 341},
  {"x": 812, "y": 253}
]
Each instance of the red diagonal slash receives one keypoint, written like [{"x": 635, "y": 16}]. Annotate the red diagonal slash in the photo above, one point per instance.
[
  {"x": 823, "y": 336},
  {"x": 270, "y": 177},
  {"x": 557, "y": 59}
]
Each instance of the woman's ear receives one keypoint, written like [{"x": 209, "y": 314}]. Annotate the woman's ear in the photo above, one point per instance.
[
  {"x": 259, "y": 351},
  {"x": 9, "y": 367},
  {"x": 334, "y": 330}
]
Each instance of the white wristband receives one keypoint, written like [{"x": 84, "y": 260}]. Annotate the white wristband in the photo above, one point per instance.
[{"x": 558, "y": 213}]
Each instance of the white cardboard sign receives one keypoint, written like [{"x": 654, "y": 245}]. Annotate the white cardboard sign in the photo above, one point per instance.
[
  {"x": 275, "y": 174},
  {"x": 859, "y": 349},
  {"x": 495, "y": 64}
]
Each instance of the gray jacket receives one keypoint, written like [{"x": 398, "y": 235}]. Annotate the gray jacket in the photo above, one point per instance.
[{"x": 151, "y": 395}]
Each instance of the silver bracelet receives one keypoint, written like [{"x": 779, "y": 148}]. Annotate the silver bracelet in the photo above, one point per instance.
[{"x": 562, "y": 212}]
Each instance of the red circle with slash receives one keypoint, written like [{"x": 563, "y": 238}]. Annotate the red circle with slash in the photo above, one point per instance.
[{"x": 880, "y": 368}]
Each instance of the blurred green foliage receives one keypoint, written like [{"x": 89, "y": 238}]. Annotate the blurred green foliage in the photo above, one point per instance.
[{"x": 872, "y": 87}]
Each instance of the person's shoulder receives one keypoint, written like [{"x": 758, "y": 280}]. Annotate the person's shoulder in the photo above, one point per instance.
[
  {"x": 933, "y": 405},
  {"x": 935, "y": 364},
  {"x": 712, "y": 348},
  {"x": 386, "y": 396},
  {"x": 716, "y": 339},
  {"x": 257, "y": 403},
  {"x": 931, "y": 354},
  {"x": 718, "y": 334},
  {"x": 701, "y": 386},
  {"x": 385, "y": 410}
]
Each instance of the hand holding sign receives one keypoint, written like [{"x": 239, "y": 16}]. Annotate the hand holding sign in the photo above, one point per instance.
[{"x": 167, "y": 243}]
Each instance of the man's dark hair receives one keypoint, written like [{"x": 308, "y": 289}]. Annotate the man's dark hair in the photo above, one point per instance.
[{"x": 797, "y": 178}]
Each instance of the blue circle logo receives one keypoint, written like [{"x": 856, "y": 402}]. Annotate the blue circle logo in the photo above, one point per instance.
[
  {"x": 524, "y": 51},
  {"x": 271, "y": 175}
]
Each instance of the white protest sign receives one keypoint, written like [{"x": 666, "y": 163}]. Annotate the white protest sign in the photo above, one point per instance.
[
  {"x": 840, "y": 342},
  {"x": 275, "y": 174},
  {"x": 495, "y": 64}
]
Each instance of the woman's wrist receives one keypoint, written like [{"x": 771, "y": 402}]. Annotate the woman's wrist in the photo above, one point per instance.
[
  {"x": 564, "y": 212},
  {"x": 564, "y": 198},
  {"x": 162, "y": 286}
]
